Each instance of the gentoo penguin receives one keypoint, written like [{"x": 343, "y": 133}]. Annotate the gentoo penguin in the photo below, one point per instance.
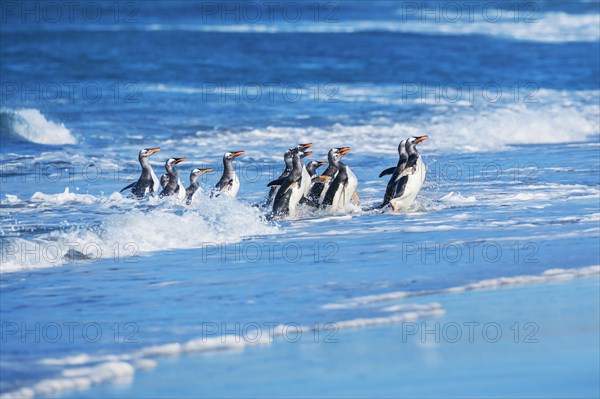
[
  {"x": 194, "y": 185},
  {"x": 343, "y": 187},
  {"x": 320, "y": 184},
  {"x": 290, "y": 191},
  {"x": 174, "y": 185},
  {"x": 312, "y": 167},
  {"x": 229, "y": 182},
  {"x": 407, "y": 177},
  {"x": 287, "y": 159},
  {"x": 148, "y": 182}
]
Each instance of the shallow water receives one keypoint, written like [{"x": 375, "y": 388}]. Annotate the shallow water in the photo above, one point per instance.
[{"x": 101, "y": 291}]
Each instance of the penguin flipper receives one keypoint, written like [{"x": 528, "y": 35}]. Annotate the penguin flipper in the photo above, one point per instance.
[
  {"x": 388, "y": 171},
  {"x": 284, "y": 190},
  {"x": 285, "y": 186},
  {"x": 398, "y": 188},
  {"x": 225, "y": 186},
  {"x": 321, "y": 178},
  {"x": 129, "y": 186},
  {"x": 219, "y": 188},
  {"x": 282, "y": 204},
  {"x": 407, "y": 171},
  {"x": 355, "y": 198},
  {"x": 277, "y": 182}
]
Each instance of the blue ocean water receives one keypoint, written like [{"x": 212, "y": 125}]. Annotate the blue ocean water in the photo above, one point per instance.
[{"x": 104, "y": 296}]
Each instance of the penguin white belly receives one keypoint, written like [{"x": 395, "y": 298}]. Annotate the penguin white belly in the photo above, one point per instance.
[
  {"x": 234, "y": 187},
  {"x": 196, "y": 196},
  {"x": 337, "y": 200},
  {"x": 295, "y": 198},
  {"x": 155, "y": 182},
  {"x": 349, "y": 190},
  {"x": 306, "y": 182},
  {"x": 181, "y": 191},
  {"x": 413, "y": 187}
]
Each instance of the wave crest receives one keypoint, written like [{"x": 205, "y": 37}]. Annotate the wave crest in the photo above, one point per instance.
[{"x": 30, "y": 125}]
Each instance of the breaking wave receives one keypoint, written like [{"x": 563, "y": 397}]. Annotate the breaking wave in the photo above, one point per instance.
[
  {"x": 31, "y": 126},
  {"x": 163, "y": 225}
]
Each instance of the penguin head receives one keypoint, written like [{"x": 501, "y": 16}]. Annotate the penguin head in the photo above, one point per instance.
[
  {"x": 196, "y": 173},
  {"x": 413, "y": 141},
  {"x": 146, "y": 152},
  {"x": 302, "y": 147},
  {"x": 171, "y": 162},
  {"x": 312, "y": 166},
  {"x": 335, "y": 154},
  {"x": 317, "y": 164},
  {"x": 230, "y": 156}
]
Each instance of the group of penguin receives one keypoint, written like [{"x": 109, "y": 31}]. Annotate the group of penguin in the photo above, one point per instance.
[{"x": 332, "y": 190}]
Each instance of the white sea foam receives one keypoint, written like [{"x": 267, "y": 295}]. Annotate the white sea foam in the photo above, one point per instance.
[
  {"x": 525, "y": 25},
  {"x": 92, "y": 370},
  {"x": 453, "y": 198},
  {"x": 10, "y": 199},
  {"x": 494, "y": 283},
  {"x": 29, "y": 124},
  {"x": 542, "y": 27},
  {"x": 213, "y": 222},
  {"x": 552, "y": 116},
  {"x": 75, "y": 379},
  {"x": 63, "y": 198},
  {"x": 473, "y": 131},
  {"x": 553, "y": 27}
]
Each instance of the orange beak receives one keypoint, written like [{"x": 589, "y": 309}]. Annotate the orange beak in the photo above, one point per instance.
[
  {"x": 305, "y": 146},
  {"x": 307, "y": 153},
  {"x": 206, "y": 170},
  {"x": 178, "y": 160},
  {"x": 344, "y": 150},
  {"x": 237, "y": 153},
  {"x": 153, "y": 150},
  {"x": 421, "y": 139},
  {"x": 321, "y": 163}
]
